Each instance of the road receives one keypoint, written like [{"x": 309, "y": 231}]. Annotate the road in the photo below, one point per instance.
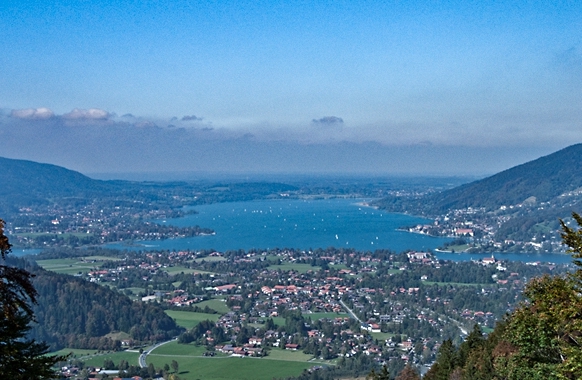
[
  {"x": 142, "y": 357},
  {"x": 350, "y": 312}
]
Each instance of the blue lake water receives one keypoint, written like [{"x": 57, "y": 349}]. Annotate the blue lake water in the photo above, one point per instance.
[
  {"x": 306, "y": 224},
  {"x": 299, "y": 224}
]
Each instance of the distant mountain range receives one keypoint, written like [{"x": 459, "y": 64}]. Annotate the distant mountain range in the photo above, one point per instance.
[
  {"x": 26, "y": 183},
  {"x": 540, "y": 180},
  {"x": 33, "y": 179}
]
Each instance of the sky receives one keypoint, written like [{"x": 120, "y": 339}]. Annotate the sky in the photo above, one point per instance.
[{"x": 378, "y": 87}]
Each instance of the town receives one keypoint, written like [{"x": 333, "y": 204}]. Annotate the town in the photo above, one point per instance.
[{"x": 334, "y": 305}]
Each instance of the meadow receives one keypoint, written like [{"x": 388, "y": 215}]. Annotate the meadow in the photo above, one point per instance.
[
  {"x": 74, "y": 266},
  {"x": 189, "y": 319},
  {"x": 193, "y": 365},
  {"x": 301, "y": 268},
  {"x": 96, "y": 358}
]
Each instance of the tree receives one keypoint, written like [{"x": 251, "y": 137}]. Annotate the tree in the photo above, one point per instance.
[
  {"x": 20, "y": 358},
  {"x": 543, "y": 337},
  {"x": 408, "y": 373},
  {"x": 175, "y": 366},
  {"x": 382, "y": 375},
  {"x": 445, "y": 362}
]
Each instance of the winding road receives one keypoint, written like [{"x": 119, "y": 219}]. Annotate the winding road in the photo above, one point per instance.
[{"x": 142, "y": 357}]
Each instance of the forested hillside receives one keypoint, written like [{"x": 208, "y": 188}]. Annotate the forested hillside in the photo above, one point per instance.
[
  {"x": 541, "y": 180},
  {"x": 540, "y": 339},
  {"x": 73, "y": 312},
  {"x": 515, "y": 210}
]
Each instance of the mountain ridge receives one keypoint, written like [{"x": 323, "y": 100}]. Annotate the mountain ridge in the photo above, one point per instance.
[{"x": 539, "y": 180}]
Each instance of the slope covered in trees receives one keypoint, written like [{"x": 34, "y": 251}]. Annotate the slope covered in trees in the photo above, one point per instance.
[
  {"x": 75, "y": 313},
  {"x": 541, "y": 339},
  {"x": 32, "y": 184},
  {"x": 544, "y": 179},
  {"x": 20, "y": 356},
  {"x": 26, "y": 182}
]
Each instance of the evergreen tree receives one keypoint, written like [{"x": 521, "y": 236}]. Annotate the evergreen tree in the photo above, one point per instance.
[
  {"x": 445, "y": 363},
  {"x": 382, "y": 375},
  {"x": 20, "y": 358},
  {"x": 408, "y": 373},
  {"x": 543, "y": 337}
]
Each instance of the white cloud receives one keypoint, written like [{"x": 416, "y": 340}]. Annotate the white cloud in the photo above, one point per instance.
[
  {"x": 90, "y": 114},
  {"x": 32, "y": 113}
]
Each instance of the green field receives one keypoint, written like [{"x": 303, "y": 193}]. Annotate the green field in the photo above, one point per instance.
[
  {"x": 318, "y": 316},
  {"x": 228, "y": 368},
  {"x": 116, "y": 357},
  {"x": 301, "y": 268},
  {"x": 179, "y": 269},
  {"x": 93, "y": 358},
  {"x": 76, "y": 352},
  {"x": 288, "y": 355},
  {"x": 279, "y": 363},
  {"x": 189, "y": 319},
  {"x": 215, "y": 304},
  {"x": 176, "y": 349},
  {"x": 381, "y": 336},
  {"x": 209, "y": 259},
  {"x": 67, "y": 266},
  {"x": 74, "y": 266},
  {"x": 453, "y": 283}
]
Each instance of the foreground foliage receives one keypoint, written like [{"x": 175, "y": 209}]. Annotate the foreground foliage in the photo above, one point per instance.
[
  {"x": 20, "y": 358},
  {"x": 541, "y": 339}
]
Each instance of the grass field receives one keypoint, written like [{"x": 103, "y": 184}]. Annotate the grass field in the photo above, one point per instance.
[
  {"x": 280, "y": 321},
  {"x": 76, "y": 352},
  {"x": 301, "y": 268},
  {"x": 288, "y": 355},
  {"x": 178, "y": 269},
  {"x": 209, "y": 259},
  {"x": 176, "y": 349},
  {"x": 189, "y": 319},
  {"x": 67, "y": 266},
  {"x": 74, "y": 266},
  {"x": 93, "y": 358},
  {"x": 116, "y": 357},
  {"x": 215, "y": 304},
  {"x": 279, "y": 363},
  {"x": 318, "y": 316},
  {"x": 381, "y": 336},
  {"x": 453, "y": 283},
  {"x": 229, "y": 368}
]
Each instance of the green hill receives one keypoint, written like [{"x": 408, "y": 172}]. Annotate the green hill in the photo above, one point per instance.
[
  {"x": 36, "y": 180},
  {"x": 545, "y": 178},
  {"x": 541, "y": 180},
  {"x": 72, "y": 312},
  {"x": 28, "y": 183}
]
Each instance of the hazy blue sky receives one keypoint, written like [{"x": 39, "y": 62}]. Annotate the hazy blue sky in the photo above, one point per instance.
[{"x": 445, "y": 87}]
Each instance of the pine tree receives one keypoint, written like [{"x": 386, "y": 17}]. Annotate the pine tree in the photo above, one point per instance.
[
  {"x": 20, "y": 358},
  {"x": 408, "y": 373}
]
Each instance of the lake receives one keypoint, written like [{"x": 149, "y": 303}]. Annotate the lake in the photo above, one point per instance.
[
  {"x": 301, "y": 224},
  {"x": 310, "y": 224}
]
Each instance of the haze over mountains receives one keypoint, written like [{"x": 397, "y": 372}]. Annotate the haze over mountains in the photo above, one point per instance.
[{"x": 537, "y": 181}]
